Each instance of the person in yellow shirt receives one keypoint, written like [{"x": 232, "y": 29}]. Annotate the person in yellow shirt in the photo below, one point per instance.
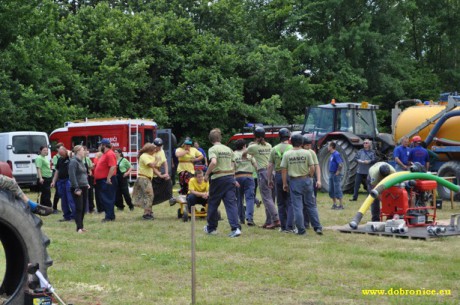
[
  {"x": 198, "y": 190},
  {"x": 187, "y": 156},
  {"x": 162, "y": 187},
  {"x": 143, "y": 190}
]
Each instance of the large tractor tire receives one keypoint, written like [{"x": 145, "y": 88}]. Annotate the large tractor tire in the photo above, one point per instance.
[
  {"x": 449, "y": 169},
  {"x": 348, "y": 153},
  {"x": 23, "y": 243}
]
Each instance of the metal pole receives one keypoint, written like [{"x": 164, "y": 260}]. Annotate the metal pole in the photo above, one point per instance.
[{"x": 193, "y": 256}]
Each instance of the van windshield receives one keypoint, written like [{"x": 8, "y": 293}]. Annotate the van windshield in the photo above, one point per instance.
[{"x": 28, "y": 144}]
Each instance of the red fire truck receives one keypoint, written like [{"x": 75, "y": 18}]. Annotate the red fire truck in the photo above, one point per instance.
[{"x": 127, "y": 134}]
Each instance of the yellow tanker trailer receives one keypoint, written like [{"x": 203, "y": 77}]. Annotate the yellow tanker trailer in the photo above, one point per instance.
[{"x": 439, "y": 127}]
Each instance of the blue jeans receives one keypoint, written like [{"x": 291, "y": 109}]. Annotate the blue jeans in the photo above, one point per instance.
[
  {"x": 301, "y": 190},
  {"x": 222, "y": 188},
  {"x": 108, "y": 195},
  {"x": 310, "y": 210},
  {"x": 245, "y": 191},
  {"x": 335, "y": 188},
  {"x": 283, "y": 200},
  {"x": 67, "y": 203}
]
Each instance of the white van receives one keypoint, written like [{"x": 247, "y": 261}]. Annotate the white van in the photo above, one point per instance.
[{"x": 20, "y": 149}]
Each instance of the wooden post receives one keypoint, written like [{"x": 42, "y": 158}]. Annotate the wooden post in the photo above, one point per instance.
[{"x": 193, "y": 256}]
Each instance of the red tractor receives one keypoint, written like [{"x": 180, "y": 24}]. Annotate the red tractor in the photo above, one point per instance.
[{"x": 348, "y": 124}]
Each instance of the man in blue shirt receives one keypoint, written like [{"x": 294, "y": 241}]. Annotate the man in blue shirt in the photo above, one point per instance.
[
  {"x": 335, "y": 176},
  {"x": 419, "y": 154},
  {"x": 401, "y": 155}
]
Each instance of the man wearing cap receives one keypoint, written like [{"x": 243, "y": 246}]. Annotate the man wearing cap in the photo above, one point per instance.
[
  {"x": 187, "y": 156},
  {"x": 419, "y": 154},
  {"x": 316, "y": 178},
  {"x": 283, "y": 199},
  {"x": 106, "y": 181},
  {"x": 297, "y": 163},
  {"x": 377, "y": 172}
]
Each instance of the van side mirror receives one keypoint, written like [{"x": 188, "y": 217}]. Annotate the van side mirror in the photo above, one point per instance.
[{"x": 9, "y": 146}]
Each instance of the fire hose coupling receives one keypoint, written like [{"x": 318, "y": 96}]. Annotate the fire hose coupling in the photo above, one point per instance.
[
  {"x": 355, "y": 221},
  {"x": 435, "y": 230}
]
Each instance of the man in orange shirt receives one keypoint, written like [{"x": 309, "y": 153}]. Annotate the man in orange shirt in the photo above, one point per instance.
[{"x": 106, "y": 180}]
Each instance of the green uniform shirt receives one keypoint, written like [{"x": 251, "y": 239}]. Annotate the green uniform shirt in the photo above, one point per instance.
[
  {"x": 261, "y": 153},
  {"x": 276, "y": 154},
  {"x": 297, "y": 162},
  {"x": 242, "y": 164},
  {"x": 224, "y": 157},
  {"x": 123, "y": 165},
  {"x": 44, "y": 165},
  {"x": 374, "y": 172}
]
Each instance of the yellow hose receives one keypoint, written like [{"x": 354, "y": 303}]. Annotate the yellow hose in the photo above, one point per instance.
[{"x": 369, "y": 200}]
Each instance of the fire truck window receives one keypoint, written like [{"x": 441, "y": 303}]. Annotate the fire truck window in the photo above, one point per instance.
[
  {"x": 78, "y": 141},
  {"x": 92, "y": 143},
  {"x": 148, "y": 135}
]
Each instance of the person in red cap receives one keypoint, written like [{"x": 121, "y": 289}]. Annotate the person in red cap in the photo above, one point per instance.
[{"x": 419, "y": 154}]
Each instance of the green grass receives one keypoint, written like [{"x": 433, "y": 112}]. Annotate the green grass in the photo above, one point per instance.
[{"x": 131, "y": 261}]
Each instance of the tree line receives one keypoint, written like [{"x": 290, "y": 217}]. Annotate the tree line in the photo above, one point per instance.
[{"x": 195, "y": 65}]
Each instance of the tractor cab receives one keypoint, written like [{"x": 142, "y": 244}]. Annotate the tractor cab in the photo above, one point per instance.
[{"x": 353, "y": 118}]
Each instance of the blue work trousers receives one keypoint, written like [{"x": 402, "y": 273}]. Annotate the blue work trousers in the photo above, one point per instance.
[
  {"x": 283, "y": 199},
  {"x": 222, "y": 188},
  {"x": 108, "y": 195},
  {"x": 302, "y": 191},
  {"x": 246, "y": 192},
  {"x": 67, "y": 203}
]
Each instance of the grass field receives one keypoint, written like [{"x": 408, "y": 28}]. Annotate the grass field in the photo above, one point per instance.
[{"x": 131, "y": 261}]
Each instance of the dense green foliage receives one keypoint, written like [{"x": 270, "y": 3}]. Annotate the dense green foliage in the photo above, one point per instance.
[{"x": 194, "y": 65}]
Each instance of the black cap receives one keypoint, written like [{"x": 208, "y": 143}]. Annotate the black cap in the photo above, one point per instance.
[
  {"x": 297, "y": 140},
  {"x": 259, "y": 132}
]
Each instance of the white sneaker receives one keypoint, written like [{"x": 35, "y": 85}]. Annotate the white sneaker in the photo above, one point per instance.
[
  {"x": 235, "y": 233},
  {"x": 205, "y": 229}
]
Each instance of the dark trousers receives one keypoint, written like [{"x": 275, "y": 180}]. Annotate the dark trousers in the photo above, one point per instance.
[
  {"x": 123, "y": 192},
  {"x": 193, "y": 200},
  {"x": 81, "y": 202},
  {"x": 56, "y": 200},
  {"x": 91, "y": 194},
  {"x": 45, "y": 190},
  {"x": 285, "y": 211},
  {"x": 67, "y": 204},
  {"x": 107, "y": 196},
  {"x": 359, "y": 179},
  {"x": 97, "y": 197},
  {"x": 222, "y": 188}
]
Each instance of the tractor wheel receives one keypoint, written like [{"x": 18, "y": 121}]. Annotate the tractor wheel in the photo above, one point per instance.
[
  {"x": 449, "y": 169},
  {"x": 23, "y": 243},
  {"x": 348, "y": 153}
]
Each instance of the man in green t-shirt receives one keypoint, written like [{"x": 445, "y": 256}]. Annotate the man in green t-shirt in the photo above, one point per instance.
[
  {"x": 44, "y": 175},
  {"x": 261, "y": 150},
  {"x": 244, "y": 167},
  {"x": 222, "y": 185},
  {"x": 297, "y": 163},
  {"x": 283, "y": 199}
]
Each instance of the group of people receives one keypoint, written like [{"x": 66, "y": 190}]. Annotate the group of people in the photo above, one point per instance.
[
  {"x": 288, "y": 174},
  {"x": 80, "y": 182}
]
